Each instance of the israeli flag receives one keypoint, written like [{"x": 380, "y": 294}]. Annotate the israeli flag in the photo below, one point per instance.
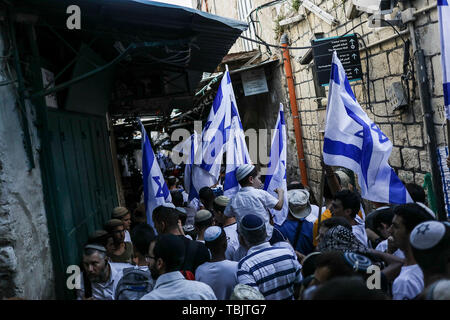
[
  {"x": 156, "y": 191},
  {"x": 353, "y": 141},
  {"x": 276, "y": 175},
  {"x": 214, "y": 134},
  {"x": 444, "y": 28},
  {"x": 195, "y": 178},
  {"x": 236, "y": 150}
]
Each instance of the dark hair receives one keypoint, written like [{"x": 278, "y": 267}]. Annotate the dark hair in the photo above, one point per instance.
[
  {"x": 141, "y": 236},
  {"x": 139, "y": 211},
  {"x": 309, "y": 264},
  {"x": 217, "y": 207},
  {"x": 207, "y": 194},
  {"x": 218, "y": 244},
  {"x": 170, "y": 249},
  {"x": 350, "y": 200},
  {"x": 416, "y": 192},
  {"x": 336, "y": 264},
  {"x": 171, "y": 181},
  {"x": 244, "y": 181},
  {"x": 434, "y": 261},
  {"x": 383, "y": 216},
  {"x": 295, "y": 185},
  {"x": 336, "y": 221},
  {"x": 167, "y": 215},
  {"x": 347, "y": 288},
  {"x": 177, "y": 198},
  {"x": 412, "y": 214},
  {"x": 100, "y": 240},
  {"x": 204, "y": 224}
]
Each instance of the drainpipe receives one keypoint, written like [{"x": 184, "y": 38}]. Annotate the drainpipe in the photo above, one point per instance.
[{"x": 294, "y": 109}]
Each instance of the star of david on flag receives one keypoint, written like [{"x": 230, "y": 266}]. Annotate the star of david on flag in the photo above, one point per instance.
[
  {"x": 156, "y": 191},
  {"x": 355, "y": 142}
]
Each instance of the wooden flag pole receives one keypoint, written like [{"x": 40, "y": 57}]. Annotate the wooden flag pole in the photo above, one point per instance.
[{"x": 322, "y": 183}]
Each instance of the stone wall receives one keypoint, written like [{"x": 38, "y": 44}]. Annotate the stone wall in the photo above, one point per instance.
[
  {"x": 409, "y": 156},
  {"x": 25, "y": 260}
]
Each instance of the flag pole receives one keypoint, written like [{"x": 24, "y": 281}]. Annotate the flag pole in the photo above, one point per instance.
[{"x": 322, "y": 182}]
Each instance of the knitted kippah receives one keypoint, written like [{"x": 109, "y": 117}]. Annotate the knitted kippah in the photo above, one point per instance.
[
  {"x": 427, "y": 234},
  {"x": 212, "y": 233},
  {"x": 119, "y": 212},
  {"x": 251, "y": 222}
]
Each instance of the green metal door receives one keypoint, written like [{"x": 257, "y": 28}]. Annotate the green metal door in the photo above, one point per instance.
[{"x": 84, "y": 175}]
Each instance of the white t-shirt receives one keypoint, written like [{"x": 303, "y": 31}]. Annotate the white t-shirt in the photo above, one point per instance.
[
  {"x": 359, "y": 231},
  {"x": 127, "y": 236},
  {"x": 383, "y": 245},
  {"x": 408, "y": 284},
  {"x": 254, "y": 201},
  {"x": 314, "y": 215},
  {"x": 232, "y": 240},
  {"x": 220, "y": 276}
]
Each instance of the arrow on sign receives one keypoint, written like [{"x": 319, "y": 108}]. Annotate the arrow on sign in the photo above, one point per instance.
[
  {"x": 354, "y": 56},
  {"x": 351, "y": 41},
  {"x": 356, "y": 70}
]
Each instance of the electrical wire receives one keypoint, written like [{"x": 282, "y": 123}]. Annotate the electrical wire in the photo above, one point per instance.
[{"x": 300, "y": 48}]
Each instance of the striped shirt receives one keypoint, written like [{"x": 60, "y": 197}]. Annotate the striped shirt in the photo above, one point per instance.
[{"x": 271, "y": 270}]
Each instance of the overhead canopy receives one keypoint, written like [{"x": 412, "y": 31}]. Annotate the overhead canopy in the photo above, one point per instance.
[
  {"x": 177, "y": 40},
  {"x": 141, "y": 20}
]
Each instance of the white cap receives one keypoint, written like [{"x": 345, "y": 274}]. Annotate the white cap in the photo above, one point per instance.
[
  {"x": 427, "y": 234},
  {"x": 244, "y": 171},
  {"x": 212, "y": 233},
  {"x": 299, "y": 205},
  {"x": 245, "y": 292}
]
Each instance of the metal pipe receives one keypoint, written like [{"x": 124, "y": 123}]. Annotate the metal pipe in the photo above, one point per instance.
[
  {"x": 425, "y": 99},
  {"x": 20, "y": 90},
  {"x": 294, "y": 109}
]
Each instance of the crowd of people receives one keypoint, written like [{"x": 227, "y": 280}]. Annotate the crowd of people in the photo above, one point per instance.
[{"x": 217, "y": 248}]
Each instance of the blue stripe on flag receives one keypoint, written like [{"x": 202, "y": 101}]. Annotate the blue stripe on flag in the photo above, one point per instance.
[
  {"x": 230, "y": 180},
  {"x": 446, "y": 93},
  {"x": 334, "y": 73},
  {"x": 217, "y": 100},
  {"x": 348, "y": 88},
  {"x": 367, "y": 143},
  {"x": 442, "y": 2},
  {"x": 282, "y": 118},
  {"x": 397, "y": 191},
  {"x": 342, "y": 149}
]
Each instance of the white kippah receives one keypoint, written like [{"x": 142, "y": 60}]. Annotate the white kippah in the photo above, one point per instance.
[
  {"x": 427, "y": 234},
  {"x": 212, "y": 233},
  {"x": 244, "y": 171}
]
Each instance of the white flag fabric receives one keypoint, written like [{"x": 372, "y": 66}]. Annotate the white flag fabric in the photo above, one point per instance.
[
  {"x": 276, "y": 175},
  {"x": 214, "y": 135},
  {"x": 444, "y": 28},
  {"x": 236, "y": 152},
  {"x": 156, "y": 191},
  {"x": 355, "y": 142}
]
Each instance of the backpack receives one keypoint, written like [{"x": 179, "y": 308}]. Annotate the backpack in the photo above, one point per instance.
[{"x": 133, "y": 285}]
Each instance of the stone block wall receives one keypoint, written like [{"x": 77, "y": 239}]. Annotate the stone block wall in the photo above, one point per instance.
[
  {"x": 409, "y": 157},
  {"x": 26, "y": 269}
]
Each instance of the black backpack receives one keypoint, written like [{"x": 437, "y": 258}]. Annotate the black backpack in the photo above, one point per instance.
[{"x": 134, "y": 284}]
